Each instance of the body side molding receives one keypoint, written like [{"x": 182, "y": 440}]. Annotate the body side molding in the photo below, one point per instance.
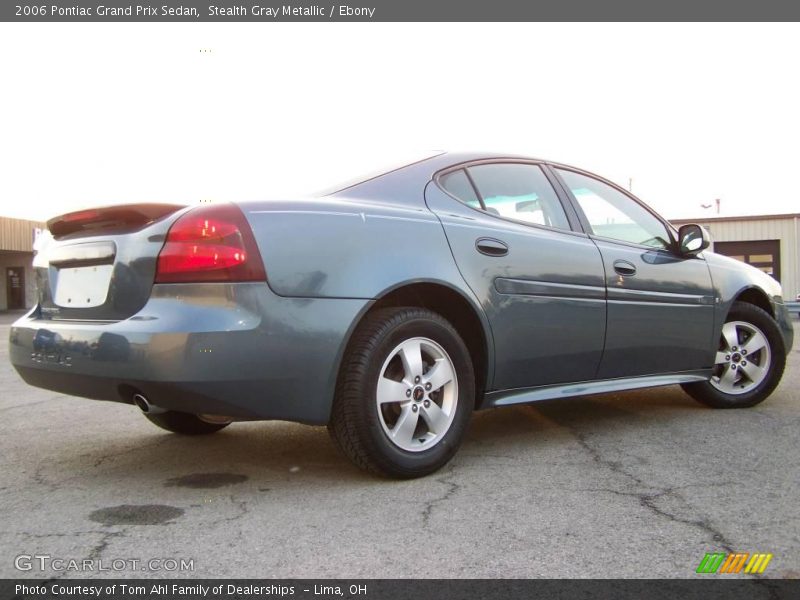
[
  {"x": 631, "y": 295},
  {"x": 584, "y": 388},
  {"x": 529, "y": 287}
]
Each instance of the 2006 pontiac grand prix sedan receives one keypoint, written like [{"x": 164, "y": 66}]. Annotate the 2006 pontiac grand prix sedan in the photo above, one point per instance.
[{"x": 392, "y": 308}]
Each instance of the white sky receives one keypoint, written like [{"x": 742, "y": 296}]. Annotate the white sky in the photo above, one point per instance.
[{"x": 106, "y": 113}]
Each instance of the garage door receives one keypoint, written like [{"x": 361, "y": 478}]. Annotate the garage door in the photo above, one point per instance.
[{"x": 764, "y": 255}]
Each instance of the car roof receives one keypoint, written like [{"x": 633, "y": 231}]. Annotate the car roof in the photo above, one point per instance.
[{"x": 408, "y": 181}]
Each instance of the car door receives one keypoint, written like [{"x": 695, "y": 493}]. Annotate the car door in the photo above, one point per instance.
[
  {"x": 660, "y": 303},
  {"x": 540, "y": 282}
]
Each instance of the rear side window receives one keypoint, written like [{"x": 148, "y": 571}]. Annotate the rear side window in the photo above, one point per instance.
[
  {"x": 518, "y": 191},
  {"x": 457, "y": 184}
]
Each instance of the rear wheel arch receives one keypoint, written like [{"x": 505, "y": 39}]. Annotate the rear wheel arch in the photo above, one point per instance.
[{"x": 456, "y": 308}]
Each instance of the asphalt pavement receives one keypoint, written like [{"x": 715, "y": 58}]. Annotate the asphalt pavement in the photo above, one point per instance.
[{"x": 635, "y": 484}]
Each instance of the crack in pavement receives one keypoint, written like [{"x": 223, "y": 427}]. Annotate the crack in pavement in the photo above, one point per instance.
[
  {"x": 243, "y": 507},
  {"x": 29, "y": 404},
  {"x": 615, "y": 466},
  {"x": 453, "y": 487},
  {"x": 131, "y": 450},
  {"x": 243, "y": 510},
  {"x": 100, "y": 547},
  {"x": 648, "y": 500},
  {"x": 36, "y": 536},
  {"x": 39, "y": 478}
]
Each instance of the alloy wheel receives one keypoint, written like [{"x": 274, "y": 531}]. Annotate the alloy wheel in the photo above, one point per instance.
[
  {"x": 743, "y": 360},
  {"x": 417, "y": 394}
]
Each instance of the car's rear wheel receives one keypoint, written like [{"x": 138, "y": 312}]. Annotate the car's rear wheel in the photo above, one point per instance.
[
  {"x": 405, "y": 392},
  {"x": 749, "y": 362},
  {"x": 186, "y": 423}
]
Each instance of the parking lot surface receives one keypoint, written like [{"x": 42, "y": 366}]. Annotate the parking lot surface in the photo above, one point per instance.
[{"x": 636, "y": 484}]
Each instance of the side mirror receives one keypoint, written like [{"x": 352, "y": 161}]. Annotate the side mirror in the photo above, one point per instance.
[{"x": 692, "y": 239}]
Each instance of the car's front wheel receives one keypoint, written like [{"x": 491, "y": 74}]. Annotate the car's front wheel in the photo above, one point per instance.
[
  {"x": 405, "y": 393},
  {"x": 749, "y": 362}
]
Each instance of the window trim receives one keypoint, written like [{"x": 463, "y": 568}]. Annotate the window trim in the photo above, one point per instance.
[
  {"x": 671, "y": 231},
  {"x": 573, "y": 219},
  {"x": 474, "y": 189},
  {"x": 471, "y": 183}
]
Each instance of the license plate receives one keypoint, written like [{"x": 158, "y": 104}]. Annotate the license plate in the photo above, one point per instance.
[{"x": 83, "y": 287}]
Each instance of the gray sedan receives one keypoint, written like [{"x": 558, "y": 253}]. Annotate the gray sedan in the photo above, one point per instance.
[{"x": 393, "y": 307}]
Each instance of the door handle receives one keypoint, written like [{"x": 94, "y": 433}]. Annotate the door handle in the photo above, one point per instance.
[
  {"x": 623, "y": 267},
  {"x": 491, "y": 247}
]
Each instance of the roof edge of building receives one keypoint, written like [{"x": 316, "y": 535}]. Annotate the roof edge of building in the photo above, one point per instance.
[{"x": 774, "y": 217}]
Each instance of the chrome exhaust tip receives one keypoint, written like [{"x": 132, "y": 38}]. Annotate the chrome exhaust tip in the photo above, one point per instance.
[{"x": 144, "y": 405}]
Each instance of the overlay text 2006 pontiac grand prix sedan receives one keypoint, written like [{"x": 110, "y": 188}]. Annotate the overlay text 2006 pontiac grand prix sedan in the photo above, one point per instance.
[{"x": 392, "y": 308}]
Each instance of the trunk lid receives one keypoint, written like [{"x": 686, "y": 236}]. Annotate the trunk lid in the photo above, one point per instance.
[{"x": 100, "y": 264}]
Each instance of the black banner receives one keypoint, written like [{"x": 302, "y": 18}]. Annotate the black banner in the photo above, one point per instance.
[
  {"x": 713, "y": 588},
  {"x": 397, "y": 10}
]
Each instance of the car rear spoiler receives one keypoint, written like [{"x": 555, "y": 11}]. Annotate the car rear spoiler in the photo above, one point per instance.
[{"x": 122, "y": 218}]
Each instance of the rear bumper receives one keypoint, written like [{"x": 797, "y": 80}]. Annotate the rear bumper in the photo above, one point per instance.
[{"x": 227, "y": 349}]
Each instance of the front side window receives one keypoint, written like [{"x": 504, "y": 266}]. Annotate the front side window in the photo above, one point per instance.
[
  {"x": 518, "y": 191},
  {"x": 614, "y": 215}
]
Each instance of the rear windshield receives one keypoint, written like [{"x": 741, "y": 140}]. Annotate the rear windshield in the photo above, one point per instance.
[{"x": 395, "y": 165}]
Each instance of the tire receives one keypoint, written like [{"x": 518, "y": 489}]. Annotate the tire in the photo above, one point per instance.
[
  {"x": 419, "y": 432},
  {"x": 183, "y": 423},
  {"x": 749, "y": 362}
]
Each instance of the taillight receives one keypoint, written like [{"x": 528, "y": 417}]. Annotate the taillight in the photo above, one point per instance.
[
  {"x": 83, "y": 215},
  {"x": 210, "y": 243}
]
